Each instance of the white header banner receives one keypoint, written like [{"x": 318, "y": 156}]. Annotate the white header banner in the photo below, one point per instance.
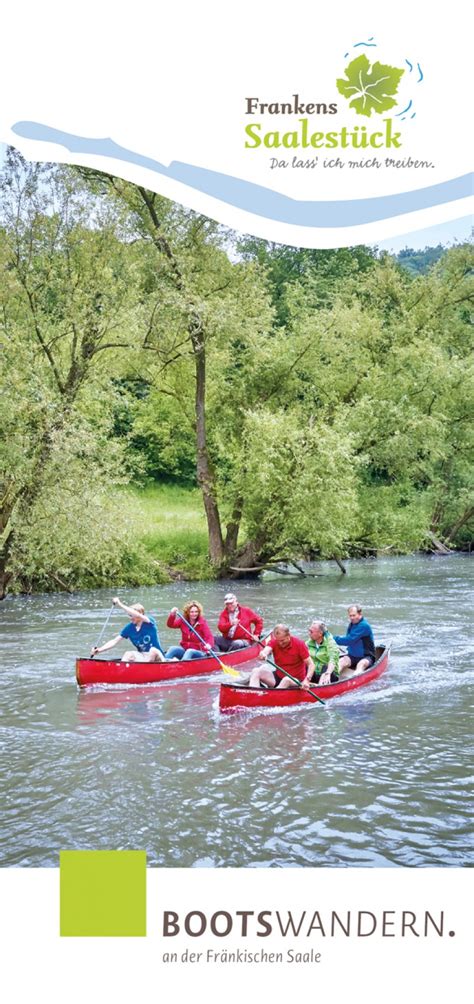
[{"x": 318, "y": 129}]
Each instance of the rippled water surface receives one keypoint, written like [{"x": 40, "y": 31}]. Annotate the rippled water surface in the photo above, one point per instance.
[{"x": 377, "y": 777}]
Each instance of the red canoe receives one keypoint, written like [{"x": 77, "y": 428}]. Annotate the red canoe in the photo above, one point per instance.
[
  {"x": 238, "y": 697},
  {"x": 90, "y": 672}
]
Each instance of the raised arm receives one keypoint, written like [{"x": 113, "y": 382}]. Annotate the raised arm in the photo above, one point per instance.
[
  {"x": 129, "y": 610},
  {"x": 174, "y": 620}
]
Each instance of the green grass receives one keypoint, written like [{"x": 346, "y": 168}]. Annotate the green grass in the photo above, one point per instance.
[{"x": 168, "y": 527}]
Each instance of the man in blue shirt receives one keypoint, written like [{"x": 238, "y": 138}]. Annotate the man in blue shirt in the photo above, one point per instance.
[
  {"x": 141, "y": 631},
  {"x": 359, "y": 641}
]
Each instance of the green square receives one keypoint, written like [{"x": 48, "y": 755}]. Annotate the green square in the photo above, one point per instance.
[{"x": 102, "y": 894}]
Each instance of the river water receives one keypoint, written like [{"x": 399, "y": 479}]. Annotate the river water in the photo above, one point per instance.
[{"x": 377, "y": 777}]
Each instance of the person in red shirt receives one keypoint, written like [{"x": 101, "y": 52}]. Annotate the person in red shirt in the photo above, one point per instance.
[
  {"x": 235, "y": 624},
  {"x": 190, "y": 647},
  {"x": 286, "y": 651}
]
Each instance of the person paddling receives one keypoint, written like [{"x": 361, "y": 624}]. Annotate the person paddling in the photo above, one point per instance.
[
  {"x": 360, "y": 644},
  {"x": 237, "y": 624},
  {"x": 288, "y": 652},
  {"x": 324, "y": 653},
  {"x": 141, "y": 631},
  {"x": 190, "y": 647}
]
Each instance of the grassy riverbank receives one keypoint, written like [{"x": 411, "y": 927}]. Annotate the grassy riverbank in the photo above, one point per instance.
[
  {"x": 132, "y": 537},
  {"x": 168, "y": 527}
]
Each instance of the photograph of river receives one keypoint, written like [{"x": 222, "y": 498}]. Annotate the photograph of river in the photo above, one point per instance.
[
  {"x": 379, "y": 777},
  {"x": 187, "y": 410}
]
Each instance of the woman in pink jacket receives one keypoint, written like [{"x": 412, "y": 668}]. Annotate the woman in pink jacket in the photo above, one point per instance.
[{"x": 190, "y": 647}]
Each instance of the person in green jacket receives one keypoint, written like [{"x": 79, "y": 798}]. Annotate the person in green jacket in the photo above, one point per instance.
[{"x": 324, "y": 653}]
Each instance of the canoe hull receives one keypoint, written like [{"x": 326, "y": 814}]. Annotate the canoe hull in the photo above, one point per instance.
[
  {"x": 239, "y": 698},
  {"x": 91, "y": 672}
]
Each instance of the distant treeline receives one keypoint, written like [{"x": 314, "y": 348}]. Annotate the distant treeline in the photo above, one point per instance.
[{"x": 419, "y": 262}]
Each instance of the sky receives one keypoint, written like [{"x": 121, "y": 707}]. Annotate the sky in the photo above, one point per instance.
[{"x": 456, "y": 231}]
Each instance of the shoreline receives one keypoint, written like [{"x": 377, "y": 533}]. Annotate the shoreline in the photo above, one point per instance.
[{"x": 170, "y": 574}]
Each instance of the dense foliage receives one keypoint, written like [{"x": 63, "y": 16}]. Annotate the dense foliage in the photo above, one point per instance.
[
  {"x": 419, "y": 262},
  {"x": 321, "y": 400}
]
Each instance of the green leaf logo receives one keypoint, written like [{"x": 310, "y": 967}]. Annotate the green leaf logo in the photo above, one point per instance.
[{"x": 369, "y": 88}]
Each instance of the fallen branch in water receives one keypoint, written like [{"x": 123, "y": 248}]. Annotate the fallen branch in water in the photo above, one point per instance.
[
  {"x": 60, "y": 582},
  {"x": 439, "y": 547},
  {"x": 276, "y": 568}
]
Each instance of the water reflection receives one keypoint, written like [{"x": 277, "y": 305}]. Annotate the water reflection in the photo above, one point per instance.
[{"x": 149, "y": 701}]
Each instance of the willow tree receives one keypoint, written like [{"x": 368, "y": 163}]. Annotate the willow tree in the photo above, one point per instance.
[
  {"x": 67, "y": 298},
  {"x": 390, "y": 363},
  {"x": 203, "y": 298}
]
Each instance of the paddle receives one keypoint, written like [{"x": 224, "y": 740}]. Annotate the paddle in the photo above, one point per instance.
[
  {"x": 280, "y": 670},
  {"x": 103, "y": 630},
  {"x": 225, "y": 669}
]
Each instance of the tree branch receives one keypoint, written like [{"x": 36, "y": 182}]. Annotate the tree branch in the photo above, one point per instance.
[{"x": 44, "y": 346}]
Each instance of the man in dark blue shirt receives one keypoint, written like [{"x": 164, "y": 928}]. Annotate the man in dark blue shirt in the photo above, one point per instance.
[
  {"x": 141, "y": 631},
  {"x": 359, "y": 641}
]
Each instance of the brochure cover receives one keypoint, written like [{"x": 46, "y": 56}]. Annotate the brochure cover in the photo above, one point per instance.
[{"x": 236, "y": 502}]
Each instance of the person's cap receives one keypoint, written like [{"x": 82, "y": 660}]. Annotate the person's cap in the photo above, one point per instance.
[{"x": 229, "y": 597}]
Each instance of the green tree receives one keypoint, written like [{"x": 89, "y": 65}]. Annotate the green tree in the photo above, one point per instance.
[
  {"x": 394, "y": 363},
  {"x": 205, "y": 301},
  {"x": 323, "y": 271},
  {"x": 320, "y": 399},
  {"x": 292, "y": 485},
  {"x": 67, "y": 296}
]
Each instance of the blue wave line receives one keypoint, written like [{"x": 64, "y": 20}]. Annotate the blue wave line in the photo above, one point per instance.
[
  {"x": 420, "y": 78},
  {"x": 407, "y": 109},
  {"x": 370, "y": 45},
  {"x": 409, "y": 64},
  {"x": 256, "y": 199}
]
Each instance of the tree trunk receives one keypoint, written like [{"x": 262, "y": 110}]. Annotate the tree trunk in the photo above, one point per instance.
[
  {"x": 252, "y": 554},
  {"x": 466, "y": 516},
  {"x": 205, "y": 474},
  {"x": 4, "y": 579},
  {"x": 232, "y": 530},
  {"x": 204, "y": 471},
  {"x": 5, "y": 575}
]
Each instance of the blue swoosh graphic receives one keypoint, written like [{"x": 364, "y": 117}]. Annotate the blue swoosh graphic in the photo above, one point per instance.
[
  {"x": 407, "y": 109},
  {"x": 256, "y": 199}
]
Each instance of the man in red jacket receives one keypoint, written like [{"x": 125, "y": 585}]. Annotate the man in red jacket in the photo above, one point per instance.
[{"x": 238, "y": 625}]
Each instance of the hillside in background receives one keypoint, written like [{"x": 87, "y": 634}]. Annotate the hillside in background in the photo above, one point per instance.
[{"x": 418, "y": 262}]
